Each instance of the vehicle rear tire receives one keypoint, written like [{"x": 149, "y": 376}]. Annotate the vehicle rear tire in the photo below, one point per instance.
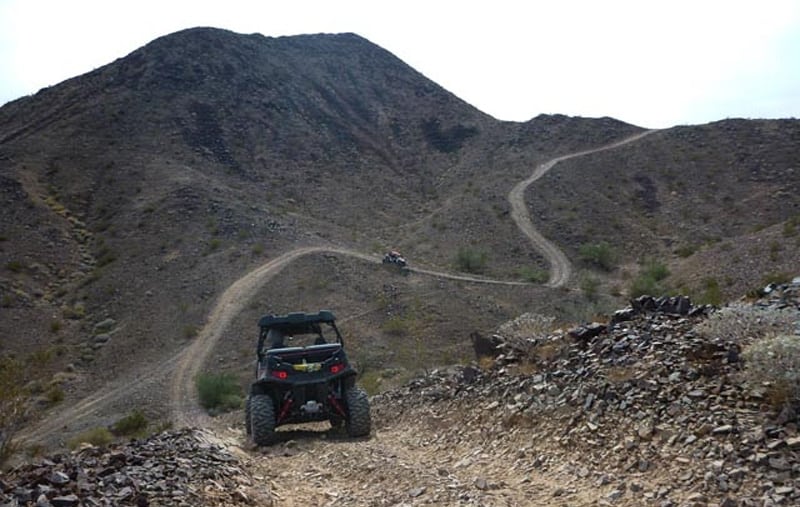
[
  {"x": 358, "y": 422},
  {"x": 247, "y": 423},
  {"x": 262, "y": 419}
]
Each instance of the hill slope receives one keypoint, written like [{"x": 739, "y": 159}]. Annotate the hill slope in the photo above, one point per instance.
[{"x": 135, "y": 195}]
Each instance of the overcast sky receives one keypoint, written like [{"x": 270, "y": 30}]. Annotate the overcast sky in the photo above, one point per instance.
[{"x": 651, "y": 63}]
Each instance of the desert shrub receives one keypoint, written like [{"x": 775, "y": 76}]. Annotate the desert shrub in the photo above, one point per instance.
[
  {"x": 686, "y": 250},
  {"x": 656, "y": 270},
  {"x": 14, "y": 266},
  {"x": 742, "y": 323},
  {"x": 54, "y": 394},
  {"x": 76, "y": 312},
  {"x": 471, "y": 260},
  {"x": 396, "y": 325},
  {"x": 589, "y": 286},
  {"x": 777, "y": 278},
  {"x": 532, "y": 275},
  {"x": 96, "y": 436},
  {"x": 219, "y": 391},
  {"x": 644, "y": 284},
  {"x": 12, "y": 404},
  {"x": 774, "y": 362},
  {"x": 711, "y": 293},
  {"x": 131, "y": 425},
  {"x": 600, "y": 255},
  {"x": 371, "y": 381},
  {"x": 649, "y": 279}
]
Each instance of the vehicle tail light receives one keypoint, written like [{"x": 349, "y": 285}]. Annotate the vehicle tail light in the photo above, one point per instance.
[
  {"x": 336, "y": 368},
  {"x": 282, "y": 375}
]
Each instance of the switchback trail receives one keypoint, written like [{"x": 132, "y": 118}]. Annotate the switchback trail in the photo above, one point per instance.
[
  {"x": 560, "y": 267},
  {"x": 186, "y": 364},
  {"x": 183, "y": 367}
]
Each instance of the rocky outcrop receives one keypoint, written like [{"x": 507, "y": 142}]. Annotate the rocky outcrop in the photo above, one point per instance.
[
  {"x": 176, "y": 468},
  {"x": 645, "y": 404}
]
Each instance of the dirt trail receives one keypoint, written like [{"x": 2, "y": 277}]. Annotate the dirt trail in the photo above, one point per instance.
[
  {"x": 187, "y": 363},
  {"x": 423, "y": 456},
  {"x": 410, "y": 463},
  {"x": 560, "y": 267}
]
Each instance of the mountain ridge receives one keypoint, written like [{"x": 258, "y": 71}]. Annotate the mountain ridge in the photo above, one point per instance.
[{"x": 140, "y": 191}]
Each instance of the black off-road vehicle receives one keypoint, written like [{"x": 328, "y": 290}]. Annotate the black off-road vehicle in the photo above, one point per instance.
[{"x": 303, "y": 375}]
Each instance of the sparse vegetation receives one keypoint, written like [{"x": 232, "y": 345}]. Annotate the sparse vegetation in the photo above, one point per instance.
[
  {"x": 471, "y": 260},
  {"x": 12, "y": 404},
  {"x": 396, "y": 325},
  {"x": 133, "y": 424},
  {"x": 600, "y": 255},
  {"x": 54, "y": 394},
  {"x": 190, "y": 331},
  {"x": 776, "y": 278},
  {"x": 686, "y": 250},
  {"x": 774, "y": 362},
  {"x": 711, "y": 293},
  {"x": 790, "y": 226},
  {"x": 740, "y": 323},
  {"x": 533, "y": 275},
  {"x": 75, "y": 312},
  {"x": 589, "y": 286},
  {"x": 14, "y": 266},
  {"x": 649, "y": 280},
  {"x": 219, "y": 392},
  {"x": 99, "y": 437}
]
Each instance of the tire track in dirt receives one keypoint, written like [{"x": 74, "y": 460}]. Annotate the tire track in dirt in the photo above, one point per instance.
[
  {"x": 187, "y": 363},
  {"x": 185, "y": 407},
  {"x": 560, "y": 267}
]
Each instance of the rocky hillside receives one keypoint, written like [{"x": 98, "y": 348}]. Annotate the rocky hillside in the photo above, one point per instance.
[
  {"x": 652, "y": 406},
  {"x": 136, "y": 195}
]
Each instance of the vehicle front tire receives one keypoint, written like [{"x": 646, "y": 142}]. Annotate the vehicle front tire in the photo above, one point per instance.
[
  {"x": 262, "y": 419},
  {"x": 358, "y": 422}
]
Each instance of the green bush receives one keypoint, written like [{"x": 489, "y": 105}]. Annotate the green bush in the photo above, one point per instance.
[
  {"x": 14, "y": 266},
  {"x": 219, "y": 392},
  {"x": 54, "y": 394},
  {"x": 600, "y": 255},
  {"x": 533, "y": 275},
  {"x": 775, "y": 362},
  {"x": 649, "y": 279},
  {"x": 396, "y": 325},
  {"x": 132, "y": 424},
  {"x": 589, "y": 286},
  {"x": 471, "y": 260},
  {"x": 96, "y": 436},
  {"x": 711, "y": 293},
  {"x": 686, "y": 250}
]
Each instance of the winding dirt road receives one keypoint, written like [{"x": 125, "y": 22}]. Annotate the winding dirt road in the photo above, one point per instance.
[
  {"x": 185, "y": 365},
  {"x": 560, "y": 267}
]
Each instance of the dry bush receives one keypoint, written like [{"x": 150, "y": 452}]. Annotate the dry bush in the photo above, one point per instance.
[
  {"x": 774, "y": 362},
  {"x": 742, "y": 323},
  {"x": 13, "y": 406},
  {"x": 527, "y": 325}
]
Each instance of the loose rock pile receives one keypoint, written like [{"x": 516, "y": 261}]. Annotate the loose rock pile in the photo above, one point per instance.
[
  {"x": 177, "y": 468},
  {"x": 645, "y": 403}
]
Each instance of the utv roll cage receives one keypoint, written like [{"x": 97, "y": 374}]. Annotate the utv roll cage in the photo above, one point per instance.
[{"x": 297, "y": 323}]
